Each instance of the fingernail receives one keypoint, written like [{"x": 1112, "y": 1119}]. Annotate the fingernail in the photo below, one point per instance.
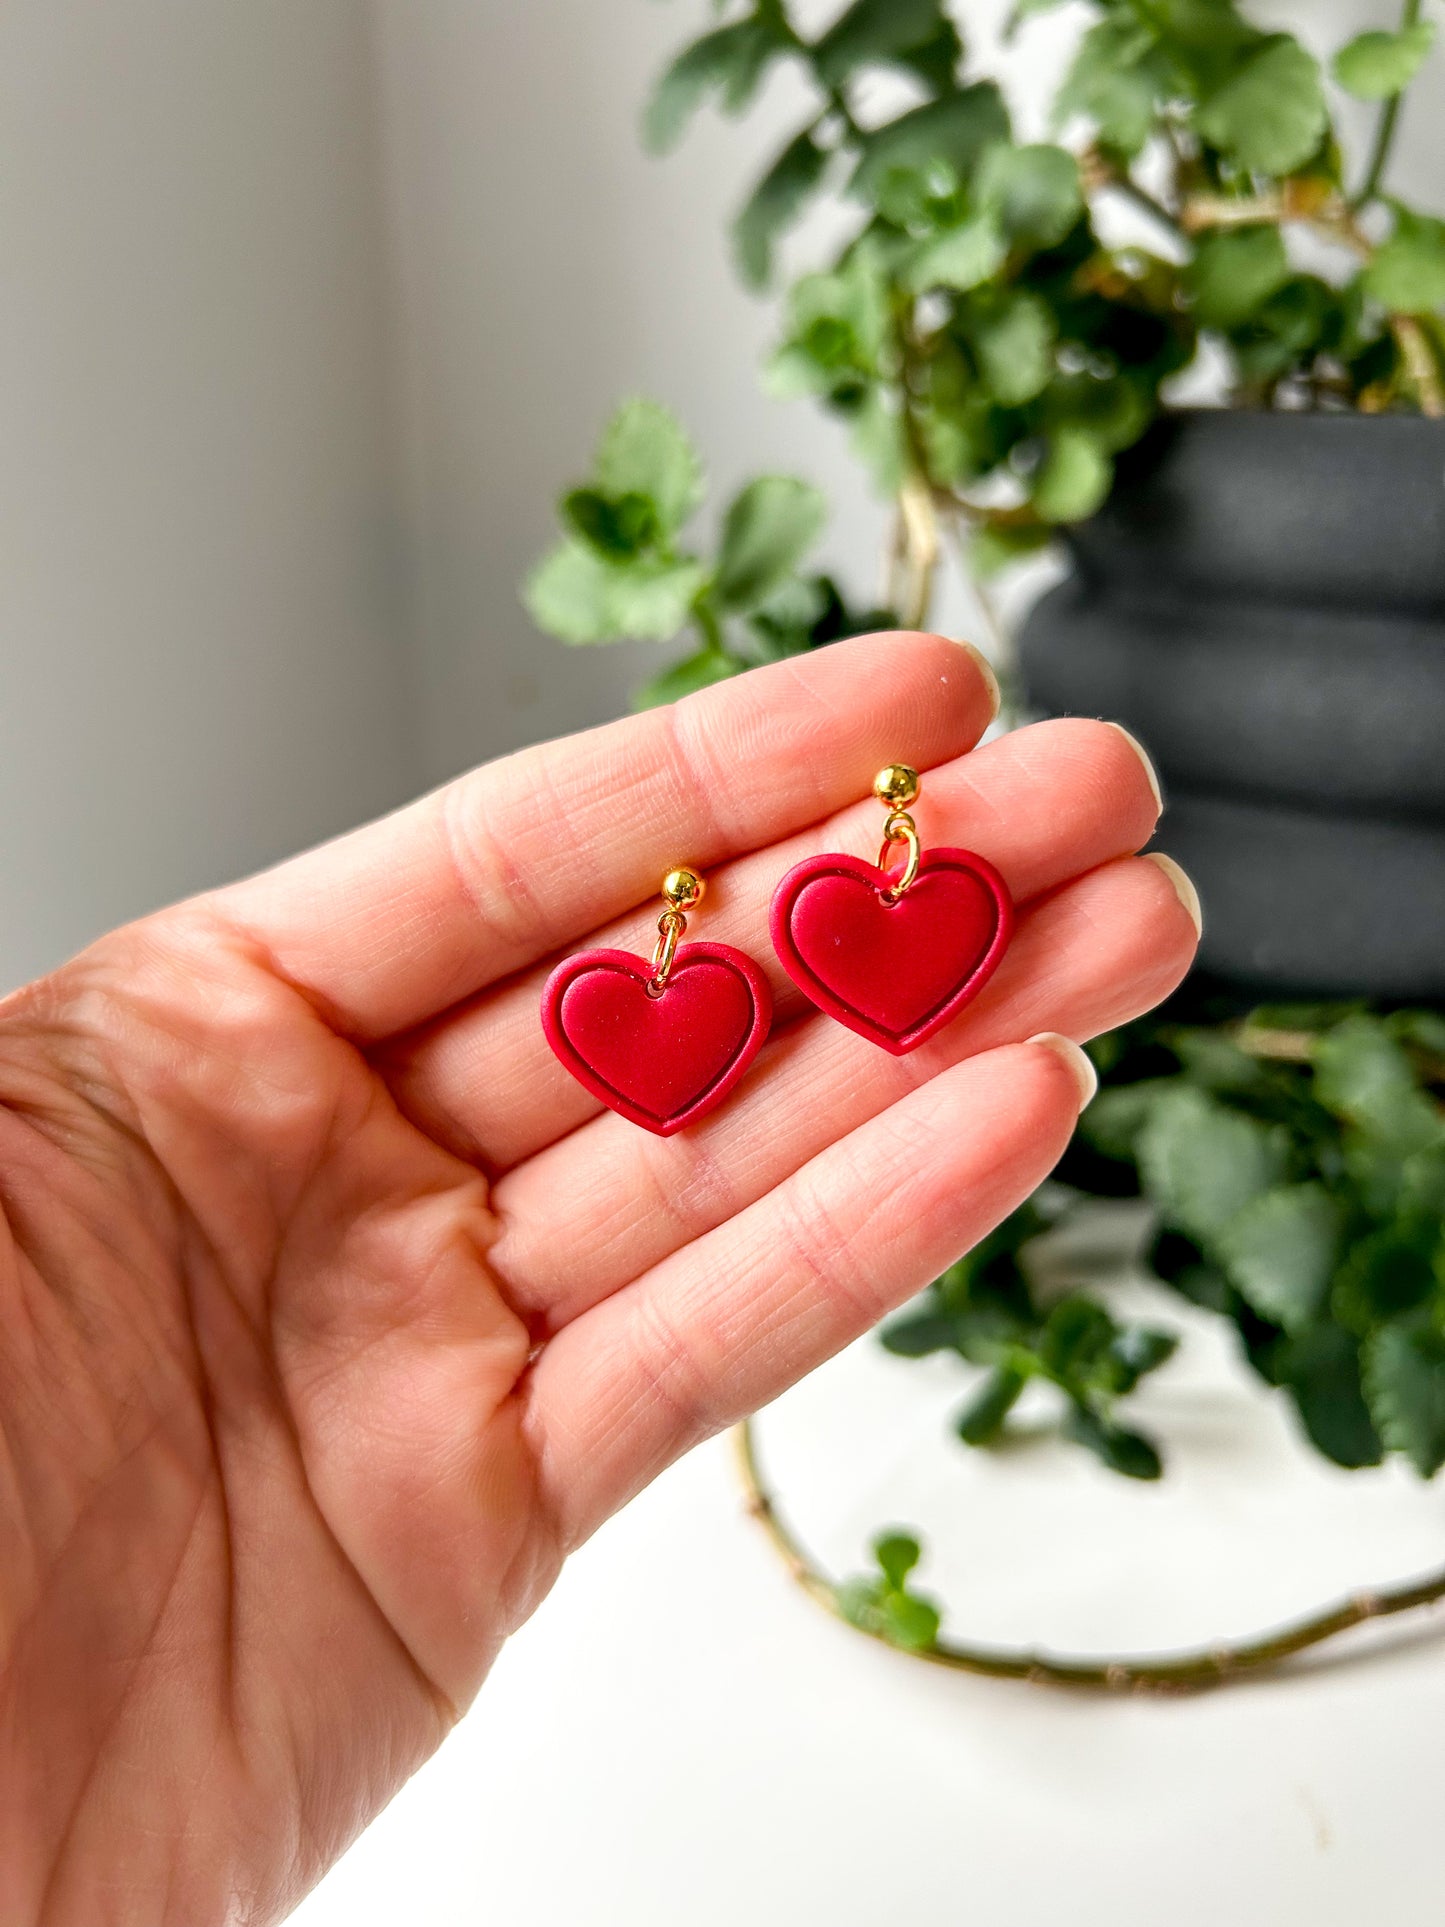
[
  {"x": 1183, "y": 887},
  {"x": 1143, "y": 755},
  {"x": 1085, "y": 1076},
  {"x": 985, "y": 669}
]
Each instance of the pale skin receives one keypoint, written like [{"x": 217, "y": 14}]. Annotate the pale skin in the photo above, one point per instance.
[{"x": 333, "y": 1314}]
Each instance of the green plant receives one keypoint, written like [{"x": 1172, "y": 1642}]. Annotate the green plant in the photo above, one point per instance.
[
  {"x": 621, "y": 571},
  {"x": 883, "y": 1602},
  {"x": 985, "y": 1309},
  {"x": 995, "y": 346},
  {"x": 1294, "y": 1161},
  {"x": 992, "y": 351}
]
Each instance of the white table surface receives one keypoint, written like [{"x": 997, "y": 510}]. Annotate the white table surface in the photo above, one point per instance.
[{"x": 680, "y": 1737}]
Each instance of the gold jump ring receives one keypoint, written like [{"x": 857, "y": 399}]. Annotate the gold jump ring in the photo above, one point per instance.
[
  {"x": 670, "y": 926},
  {"x": 900, "y": 828}
]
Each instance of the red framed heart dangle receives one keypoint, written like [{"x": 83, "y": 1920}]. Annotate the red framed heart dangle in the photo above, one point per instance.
[
  {"x": 893, "y": 955},
  {"x": 660, "y": 1043}
]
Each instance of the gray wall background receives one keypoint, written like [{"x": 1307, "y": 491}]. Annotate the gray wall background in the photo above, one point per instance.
[{"x": 306, "y": 311}]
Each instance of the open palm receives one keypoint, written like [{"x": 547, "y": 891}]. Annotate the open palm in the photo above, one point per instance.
[{"x": 333, "y": 1314}]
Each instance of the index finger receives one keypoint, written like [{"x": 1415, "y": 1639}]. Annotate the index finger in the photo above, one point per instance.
[{"x": 396, "y": 922}]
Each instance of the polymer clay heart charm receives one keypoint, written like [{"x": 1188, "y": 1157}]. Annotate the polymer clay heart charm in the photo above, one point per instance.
[
  {"x": 895, "y": 969},
  {"x": 660, "y": 1058},
  {"x": 893, "y": 956}
]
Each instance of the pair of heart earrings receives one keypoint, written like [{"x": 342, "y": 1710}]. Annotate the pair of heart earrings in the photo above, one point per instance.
[{"x": 892, "y": 954}]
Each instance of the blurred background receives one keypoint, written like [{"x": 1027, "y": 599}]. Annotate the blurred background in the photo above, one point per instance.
[{"x": 308, "y": 311}]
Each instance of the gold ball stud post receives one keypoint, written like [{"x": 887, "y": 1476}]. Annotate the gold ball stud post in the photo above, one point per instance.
[
  {"x": 897, "y": 786},
  {"x": 683, "y": 889}
]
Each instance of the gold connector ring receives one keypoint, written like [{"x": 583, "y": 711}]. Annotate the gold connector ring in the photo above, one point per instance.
[
  {"x": 900, "y": 828},
  {"x": 670, "y": 926}
]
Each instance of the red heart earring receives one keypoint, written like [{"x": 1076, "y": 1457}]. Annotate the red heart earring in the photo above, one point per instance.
[
  {"x": 661, "y": 1043},
  {"x": 893, "y": 957}
]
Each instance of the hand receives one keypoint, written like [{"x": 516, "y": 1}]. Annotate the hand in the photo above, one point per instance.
[{"x": 332, "y": 1312}]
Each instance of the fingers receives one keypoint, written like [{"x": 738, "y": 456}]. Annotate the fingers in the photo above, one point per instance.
[
  {"x": 396, "y": 922},
  {"x": 1043, "y": 804},
  {"x": 1108, "y": 946},
  {"x": 733, "y": 1319}
]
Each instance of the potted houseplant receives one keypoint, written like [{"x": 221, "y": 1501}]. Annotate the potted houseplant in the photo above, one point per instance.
[{"x": 1258, "y": 589}]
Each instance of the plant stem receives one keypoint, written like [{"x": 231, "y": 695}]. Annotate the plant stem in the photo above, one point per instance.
[
  {"x": 708, "y": 626},
  {"x": 916, "y": 552},
  {"x": 836, "y": 97},
  {"x": 1000, "y": 650},
  {"x": 1146, "y": 203},
  {"x": 1203, "y": 211},
  {"x": 1385, "y": 125},
  {"x": 1099, "y": 174},
  {"x": 1171, "y": 1673},
  {"x": 1420, "y": 365}
]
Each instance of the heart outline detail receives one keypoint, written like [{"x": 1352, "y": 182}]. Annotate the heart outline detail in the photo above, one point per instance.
[
  {"x": 606, "y": 1012},
  {"x": 898, "y": 1039}
]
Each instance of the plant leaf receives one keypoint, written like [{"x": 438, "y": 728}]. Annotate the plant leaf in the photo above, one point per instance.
[
  {"x": 1022, "y": 10},
  {"x": 577, "y": 596},
  {"x": 1033, "y": 191},
  {"x": 881, "y": 1604},
  {"x": 1113, "y": 1445},
  {"x": 645, "y": 451},
  {"x": 1202, "y": 1163},
  {"x": 1216, "y": 1063},
  {"x": 961, "y": 258},
  {"x": 1178, "y": 1261},
  {"x": 1286, "y": 331},
  {"x": 619, "y": 529},
  {"x": 996, "y": 547},
  {"x": 957, "y": 130},
  {"x": 1422, "y": 1184},
  {"x": 877, "y": 435},
  {"x": 774, "y": 204},
  {"x": 1013, "y": 338},
  {"x": 1113, "y": 409},
  {"x": 1405, "y": 1384},
  {"x": 697, "y": 671},
  {"x": 1133, "y": 1353},
  {"x": 1386, "y": 1275},
  {"x": 838, "y": 328},
  {"x": 935, "y": 60},
  {"x": 857, "y": 1600},
  {"x": 917, "y": 1334},
  {"x": 1281, "y": 1250},
  {"x": 1320, "y": 1368},
  {"x": 1076, "y": 1334},
  {"x": 1423, "y": 1028},
  {"x": 1379, "y": 65},
  {"x": 1364, "y": 1075},
  {"x": 1270, "y": 115},
  {"x": 897, "y": 1554},
  {"x": 768, "y": 530},
  {"x": 729, "y": 62},
  {"x": 910, "y": 1621},
  {"x": 1073, "y": 479},
  {"x": 1115, "y": 81},
  {"x": 1119, "y": 1113},
  {"x": 871, "y": 31},
  {"x": 981, "y": 1420},
  {"x": 1407, "y": 274},
  {"x": 1234, "y": 272},
  {"x": 788, "y": 623}
]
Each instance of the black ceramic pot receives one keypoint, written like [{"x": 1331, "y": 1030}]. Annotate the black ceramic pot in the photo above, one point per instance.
[{"x": 1262, "y": 601}]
